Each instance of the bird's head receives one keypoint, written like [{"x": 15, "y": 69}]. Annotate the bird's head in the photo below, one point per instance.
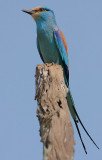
[{"x": 40, "y": 13}]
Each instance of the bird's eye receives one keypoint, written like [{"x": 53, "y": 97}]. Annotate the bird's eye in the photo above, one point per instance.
[{"x": 42, "y": 9}]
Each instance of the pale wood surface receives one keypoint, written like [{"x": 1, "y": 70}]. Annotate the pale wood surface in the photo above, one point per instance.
[{"x": 55, "y": 124}]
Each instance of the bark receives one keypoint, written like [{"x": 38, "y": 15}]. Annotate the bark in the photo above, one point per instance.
[{"x": 55, "y": 124}]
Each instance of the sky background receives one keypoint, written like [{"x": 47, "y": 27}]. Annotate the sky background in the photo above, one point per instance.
[{"x": 81, "y": 22}]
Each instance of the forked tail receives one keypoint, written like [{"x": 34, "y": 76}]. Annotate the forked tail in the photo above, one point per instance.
[{"x": 77, "y": 119}]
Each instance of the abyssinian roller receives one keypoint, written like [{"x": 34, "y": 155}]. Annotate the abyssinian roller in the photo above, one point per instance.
[{"x": 52, "y": 48}]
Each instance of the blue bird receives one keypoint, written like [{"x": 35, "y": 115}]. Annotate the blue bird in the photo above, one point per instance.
[{"x": 52, "y": 47}]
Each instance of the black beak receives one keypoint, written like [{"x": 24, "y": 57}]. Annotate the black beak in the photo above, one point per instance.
[{"x": 28, "y": 11}]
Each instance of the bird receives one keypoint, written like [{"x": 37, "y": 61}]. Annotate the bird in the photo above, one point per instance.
[{"x": 52, "y": 48}]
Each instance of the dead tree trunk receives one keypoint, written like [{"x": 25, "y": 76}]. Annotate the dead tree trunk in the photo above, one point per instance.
[{"x": 55, "y": 125}]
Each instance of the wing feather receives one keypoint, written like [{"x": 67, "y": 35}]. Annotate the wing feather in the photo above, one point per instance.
[{"x": 59, "y": 40}]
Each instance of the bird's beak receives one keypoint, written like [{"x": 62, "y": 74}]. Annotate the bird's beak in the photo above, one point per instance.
[{"x": 28, "y": 11}]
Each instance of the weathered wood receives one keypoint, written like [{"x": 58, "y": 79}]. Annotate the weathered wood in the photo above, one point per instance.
[{"x": 55, "y": 125}]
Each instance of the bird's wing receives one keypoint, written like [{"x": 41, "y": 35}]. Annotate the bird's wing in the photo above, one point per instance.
[
  {"x": 64, "y": 41},
  {"x": 61, "y": 45},
  {"x": 39, "y": 51}
]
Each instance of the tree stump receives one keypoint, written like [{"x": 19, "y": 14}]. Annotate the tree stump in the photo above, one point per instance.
[{"x": 55, "y": 124}]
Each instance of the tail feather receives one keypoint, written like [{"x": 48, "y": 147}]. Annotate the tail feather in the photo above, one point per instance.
[
  {"x": 84, "y": 128},
  {"x": 77, "y": 119},
  {"x": 80, "y": 136}
]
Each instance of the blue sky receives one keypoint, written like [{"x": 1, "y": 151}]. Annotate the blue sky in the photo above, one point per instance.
[{"x": 81, "y": 22}]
